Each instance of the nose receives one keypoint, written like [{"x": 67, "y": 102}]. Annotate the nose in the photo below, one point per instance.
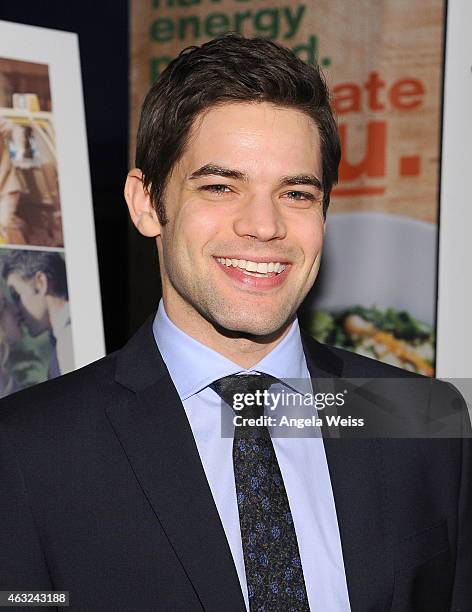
[{"x": 260, "y": 218}]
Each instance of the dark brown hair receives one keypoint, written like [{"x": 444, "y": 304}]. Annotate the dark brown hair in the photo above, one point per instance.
[
  {"x": 27, "y": 263},
  {"x": 229, "y": 68}
]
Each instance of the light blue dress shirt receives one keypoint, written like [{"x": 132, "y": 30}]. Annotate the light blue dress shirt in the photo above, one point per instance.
[{"x": 302, "y": 460}]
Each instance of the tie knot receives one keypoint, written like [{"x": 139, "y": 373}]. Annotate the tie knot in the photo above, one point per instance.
[{"x": 244, "y": 392}]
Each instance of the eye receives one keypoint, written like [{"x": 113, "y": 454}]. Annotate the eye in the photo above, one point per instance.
[
  {"x": 300, "y": 195},
  {"x": 217, "y": 189},
  {"x": 306, "y": 197}
]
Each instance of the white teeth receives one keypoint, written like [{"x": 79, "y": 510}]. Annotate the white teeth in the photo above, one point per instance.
[
  {"x": 252, "y": 266},
  {"x": 256, "y": 274}
]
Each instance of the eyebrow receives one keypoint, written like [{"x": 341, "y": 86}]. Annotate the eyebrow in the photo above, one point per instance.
[
  {"x": 215, "y": 170},
  {"x": 301, "y": 179}
]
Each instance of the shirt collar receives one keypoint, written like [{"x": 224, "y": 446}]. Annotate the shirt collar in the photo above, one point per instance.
[{"x": 193, "y": 366}]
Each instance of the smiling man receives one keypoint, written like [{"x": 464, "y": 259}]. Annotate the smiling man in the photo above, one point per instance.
[
  {"x": 117, "y": 482},
  {"x": 241, "y": 244}
]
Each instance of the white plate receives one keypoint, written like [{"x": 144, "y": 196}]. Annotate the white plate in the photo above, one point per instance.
[{"x": 378, "y": 259}]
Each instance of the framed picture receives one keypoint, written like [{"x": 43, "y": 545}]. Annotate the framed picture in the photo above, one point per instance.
[
  {"x": 454, "y": 332},
  {"x": 50, "y": 310}
]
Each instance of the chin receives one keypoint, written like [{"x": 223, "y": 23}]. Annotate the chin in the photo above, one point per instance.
[{"x": 262, "y": 325}]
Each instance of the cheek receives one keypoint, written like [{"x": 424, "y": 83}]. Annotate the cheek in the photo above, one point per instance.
[
  {"x": 197, "y": 224},
  {"x": 309, "y": 236}
]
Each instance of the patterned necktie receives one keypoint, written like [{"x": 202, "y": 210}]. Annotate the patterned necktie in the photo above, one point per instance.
[{"x": 274, "y": 572}]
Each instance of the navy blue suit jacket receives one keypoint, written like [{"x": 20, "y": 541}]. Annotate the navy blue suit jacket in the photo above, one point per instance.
[{"x": 103, "y": 494}]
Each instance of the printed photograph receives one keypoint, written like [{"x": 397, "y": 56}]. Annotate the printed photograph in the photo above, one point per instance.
[
  {"x": 368, "y": 299},
  {"x": 30, "y": 209},
  {"x": 35, "y": 326}
]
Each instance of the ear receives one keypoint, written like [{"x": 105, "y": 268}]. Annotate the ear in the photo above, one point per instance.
[
  {"x": 40, "y": 282},
  {"x": 140, "y": 207}
]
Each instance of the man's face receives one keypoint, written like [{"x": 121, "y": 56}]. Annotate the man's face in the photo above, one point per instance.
[
  {"x": 246, "y": 193},
  {"x": 31, "y": 302}
]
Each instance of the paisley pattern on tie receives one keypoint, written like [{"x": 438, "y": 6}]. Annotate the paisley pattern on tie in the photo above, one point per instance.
[{"x": 274, "y": 571}]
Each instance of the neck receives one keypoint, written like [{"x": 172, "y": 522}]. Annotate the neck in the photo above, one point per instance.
[{"x": 243, "y": 349}]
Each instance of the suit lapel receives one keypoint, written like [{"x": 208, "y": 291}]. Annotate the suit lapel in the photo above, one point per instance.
[
  {"x": 159, "y": 444},
  {"x": 355, "y": 468},
  {"x": 157, "y": 439}
]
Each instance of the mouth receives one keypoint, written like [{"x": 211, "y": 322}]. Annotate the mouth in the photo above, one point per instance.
[{"x": 262, "y": 274}]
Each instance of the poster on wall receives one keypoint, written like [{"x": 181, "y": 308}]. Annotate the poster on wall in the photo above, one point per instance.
[
  {"x": 454, "y": 332},
  {"x": 50, "y": 311},
  {"x": 376, "y": 294}
]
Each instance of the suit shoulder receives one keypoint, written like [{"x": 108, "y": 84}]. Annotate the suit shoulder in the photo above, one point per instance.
[
  {"x": 405, "y": 394},
  {"x": 85, "y": 389}
]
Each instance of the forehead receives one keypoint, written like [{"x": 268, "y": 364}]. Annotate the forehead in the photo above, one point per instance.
[{"x": 258, "y": 136}]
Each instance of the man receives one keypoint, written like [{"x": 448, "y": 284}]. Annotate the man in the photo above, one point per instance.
[
  {"x": 116, "y": 481},
  {"x": 38, "y": 285}
]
